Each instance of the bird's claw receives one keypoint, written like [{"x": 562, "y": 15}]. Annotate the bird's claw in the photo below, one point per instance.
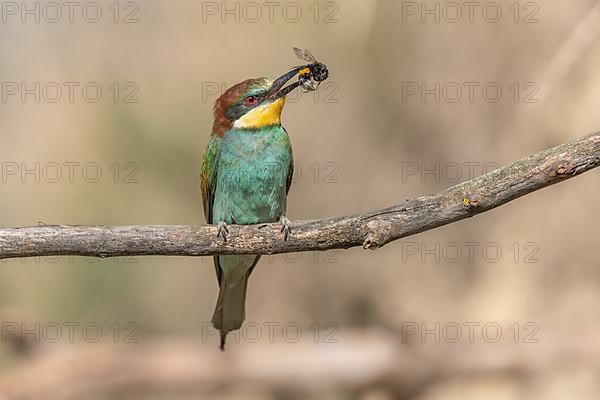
[
  {"x": 222, "y": 230},
  {"x": 285, "y": 227}
]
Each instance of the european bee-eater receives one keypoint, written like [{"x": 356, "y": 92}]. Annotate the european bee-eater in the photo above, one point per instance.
[{"x": 246, "y": 175}]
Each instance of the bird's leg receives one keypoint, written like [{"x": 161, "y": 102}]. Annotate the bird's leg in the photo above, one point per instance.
[
  {"x": 285, "y": 226},
  {"x": 222, "y": 230}
]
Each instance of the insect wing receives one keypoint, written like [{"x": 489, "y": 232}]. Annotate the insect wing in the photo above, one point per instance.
[{"x": 304, "y": 55}]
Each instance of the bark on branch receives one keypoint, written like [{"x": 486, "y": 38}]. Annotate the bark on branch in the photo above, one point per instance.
[{"x": 370, "y": 230}]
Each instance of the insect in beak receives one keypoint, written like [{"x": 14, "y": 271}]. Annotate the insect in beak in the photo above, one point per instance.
[{"x": 310, "y": 76}]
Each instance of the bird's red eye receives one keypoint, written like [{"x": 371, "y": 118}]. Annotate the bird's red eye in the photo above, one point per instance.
[{"x": 251, "y": 100}]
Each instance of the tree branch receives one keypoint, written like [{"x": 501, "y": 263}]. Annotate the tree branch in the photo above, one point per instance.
[{"x": 371, "y": 230}]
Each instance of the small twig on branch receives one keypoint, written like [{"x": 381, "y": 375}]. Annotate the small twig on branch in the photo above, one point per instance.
[{"x": 370, "y": 230}]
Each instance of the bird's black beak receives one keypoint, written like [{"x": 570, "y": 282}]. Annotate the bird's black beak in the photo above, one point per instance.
[{"x": 277, "y": 90}]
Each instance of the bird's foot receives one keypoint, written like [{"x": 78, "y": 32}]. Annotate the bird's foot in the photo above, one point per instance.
[
  {"x": 222, "y": 230},
  {"x": 286, "y": 227}
]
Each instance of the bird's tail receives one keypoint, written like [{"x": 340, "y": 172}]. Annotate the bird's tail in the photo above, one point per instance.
[{"x": 230, "y": 309}]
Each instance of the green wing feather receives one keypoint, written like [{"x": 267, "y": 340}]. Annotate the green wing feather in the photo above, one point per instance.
[
  {"x": 208, "y": 176},
  {"x": 208, "y": 184}
]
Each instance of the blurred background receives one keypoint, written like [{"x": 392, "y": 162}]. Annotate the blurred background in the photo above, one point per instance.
[{"x": 106, "y": 110}]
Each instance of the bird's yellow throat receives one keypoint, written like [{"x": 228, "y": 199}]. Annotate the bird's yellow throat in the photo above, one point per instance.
[{"x": 264, "y": 115}]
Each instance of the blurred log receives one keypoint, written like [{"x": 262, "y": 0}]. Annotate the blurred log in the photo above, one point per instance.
[
  {"x": 362, "y": 359},
  {"x": 371, "y": 230}
]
